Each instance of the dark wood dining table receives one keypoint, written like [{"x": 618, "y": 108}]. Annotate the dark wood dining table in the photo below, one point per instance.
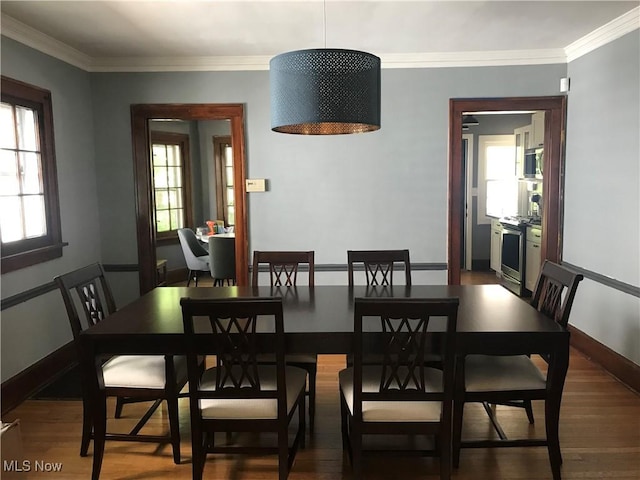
[{"x": 491, "y": 320}]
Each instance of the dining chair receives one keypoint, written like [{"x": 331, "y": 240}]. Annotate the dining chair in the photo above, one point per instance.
[
  {"x": 195, "y": 255},
  {"x": 283, "y": 272},
  {"x": 222, "y": 260},
  {"x": 400, "y": 396},
  {"x": 515, "y": 380},
  {"x": 379, "y": 265},
  {"x": 131, "y": 378},
  {"x": 238, "y": 394}
]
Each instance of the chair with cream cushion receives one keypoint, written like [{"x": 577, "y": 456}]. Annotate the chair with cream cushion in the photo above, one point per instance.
[
  {"x": 515, "y": 380},
  {"x": 379, "y": 267},
  {"x": 283, "y": 272},
  {"x": 400, "y": 395},
  {"x": 238, "y": 395},
  {"x": 130, "y": 378}
]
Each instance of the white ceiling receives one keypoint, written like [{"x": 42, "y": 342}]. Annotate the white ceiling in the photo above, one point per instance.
[{"x": 237, "y": 34}]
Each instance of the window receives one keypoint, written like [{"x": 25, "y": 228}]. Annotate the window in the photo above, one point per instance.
[
  {"x": 29, "y": 207},
  {"x": 171, "y": 183},
  {"x": 497, "y": 183},
  {"x": 223, "y": 153}
]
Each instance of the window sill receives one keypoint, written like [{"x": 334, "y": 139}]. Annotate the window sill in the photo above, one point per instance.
[
  {"x": 172, "y": 240},
  {"x": 11, "y": 263}
]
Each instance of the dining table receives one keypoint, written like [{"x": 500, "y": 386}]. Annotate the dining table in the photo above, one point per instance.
[{"x": 491, "y": 320}]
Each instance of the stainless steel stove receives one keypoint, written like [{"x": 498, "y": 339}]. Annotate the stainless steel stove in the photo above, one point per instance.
[{"x": 514, "y": 234}]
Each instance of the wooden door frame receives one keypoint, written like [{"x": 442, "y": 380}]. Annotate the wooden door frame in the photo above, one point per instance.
[
  {"x": 145, "y": 226},
  {"x": 555, "y": 108}
]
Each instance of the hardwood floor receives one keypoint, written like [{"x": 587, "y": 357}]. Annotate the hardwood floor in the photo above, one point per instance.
[
  {"x": 599, "y": 432},
  {"x": 469, "y": 277}
]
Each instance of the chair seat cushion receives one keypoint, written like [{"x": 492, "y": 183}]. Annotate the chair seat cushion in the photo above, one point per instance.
[
  {"x": 140, "y": 371},
  {"x": 392, "y": 411},
  {"x": 484, "y": 373},
  {"x": 253, "y": 408}
]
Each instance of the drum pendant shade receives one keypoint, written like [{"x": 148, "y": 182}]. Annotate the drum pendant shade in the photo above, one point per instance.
[{"x": 325, "y": 92}]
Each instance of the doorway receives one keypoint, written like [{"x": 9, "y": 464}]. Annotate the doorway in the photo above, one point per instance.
[
  {"x": 145, "y": 222},
  {"x": 554, "y": 127}
]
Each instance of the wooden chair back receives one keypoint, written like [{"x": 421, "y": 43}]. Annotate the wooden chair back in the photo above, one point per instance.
[
  {"x": 397, "y": 328},
  {"x": 555, "y": 291},
  {"x": 92, "y": 294},
  {"x": 379, "y": 265},
  {"x": 232, "y": 336},
  {"x": 283, "y": 266}
]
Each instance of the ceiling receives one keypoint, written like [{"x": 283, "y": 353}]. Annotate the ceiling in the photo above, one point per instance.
[{"x": 240, "y": 34}]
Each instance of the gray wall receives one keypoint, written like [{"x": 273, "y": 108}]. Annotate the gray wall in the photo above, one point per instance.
[
  {"x": 386, "y": 189},
  {"x": 602, "y": 185},
  {"x": 32, "y": 330}
]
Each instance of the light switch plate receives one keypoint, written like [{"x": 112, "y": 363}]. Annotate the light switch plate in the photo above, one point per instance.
[{"x": 255, "y": 185}]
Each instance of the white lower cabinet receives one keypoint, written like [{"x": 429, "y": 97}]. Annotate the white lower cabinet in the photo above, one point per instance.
[
  {"x": 533, "y": 257},
  {"x": 496, "y": 246}
]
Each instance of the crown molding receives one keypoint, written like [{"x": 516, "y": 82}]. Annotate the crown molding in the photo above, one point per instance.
[
  {"x": 607, "y": 33},
  {"x": 474, "y": 59},
  {"x": 180, "y": 64},
  {"x": 31, "y": 37},
  {"x": 410, "y": 60}
]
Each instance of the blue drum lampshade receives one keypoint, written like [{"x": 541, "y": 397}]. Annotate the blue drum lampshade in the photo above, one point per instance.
[{"x": 325, "y": 92}]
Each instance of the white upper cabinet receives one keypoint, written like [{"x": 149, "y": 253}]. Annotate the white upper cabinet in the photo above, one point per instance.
[
  {"x": 537, "y": 130},
  {"x": 523, "y": 141}
]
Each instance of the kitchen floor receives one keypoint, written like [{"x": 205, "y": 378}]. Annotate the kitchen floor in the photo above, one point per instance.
[{"x": 468, "y": 277}]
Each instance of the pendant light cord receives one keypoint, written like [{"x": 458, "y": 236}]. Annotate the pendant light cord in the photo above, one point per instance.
[{"x": 324, "y": 22}]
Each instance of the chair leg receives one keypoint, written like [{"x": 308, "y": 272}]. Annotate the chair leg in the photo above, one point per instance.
[
  {"x": 119, "y": 404},
  {"x": 87, "y": 425},
  {"x": 552, "y": 419},
  {"x": 198, "y": 452},
  {"x": 343, "y": 421},
  {"x": 458, "y": 411},
  {"x": 444, "y": 440},
  {"x": 302, "y": 425},
  {"x": 283, "y": 453},
  {"x": 174, "y": 426},
  {"x": 189, "y": 277},
  {"x": 312, "y": 397},
  {"x": 529, "y": 409},
  {"x": 100, "y": 433},
  {"x": 356, "y": 452}
]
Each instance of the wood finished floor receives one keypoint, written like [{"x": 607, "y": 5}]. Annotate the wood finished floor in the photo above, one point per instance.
[{"x": 600, "y": 438}]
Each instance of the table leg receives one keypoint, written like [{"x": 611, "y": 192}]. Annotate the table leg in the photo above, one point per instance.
[
  {"x": 558, "y": 367},
  {"x": 95, "y": 401}
]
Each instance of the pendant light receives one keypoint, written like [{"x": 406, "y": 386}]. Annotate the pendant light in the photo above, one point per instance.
[{"x": 325, "y": 91}]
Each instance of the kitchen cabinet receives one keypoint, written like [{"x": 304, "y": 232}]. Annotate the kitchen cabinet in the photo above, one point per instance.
[
  {"x": 537, "y": 130},
  {"x": 495, "y": 261},
  {"x": 523, "y": 137},
  {"x": 533, "y": 257}
]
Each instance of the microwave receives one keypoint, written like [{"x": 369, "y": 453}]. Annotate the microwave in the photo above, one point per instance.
[{"x": 533, "y": 162}]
